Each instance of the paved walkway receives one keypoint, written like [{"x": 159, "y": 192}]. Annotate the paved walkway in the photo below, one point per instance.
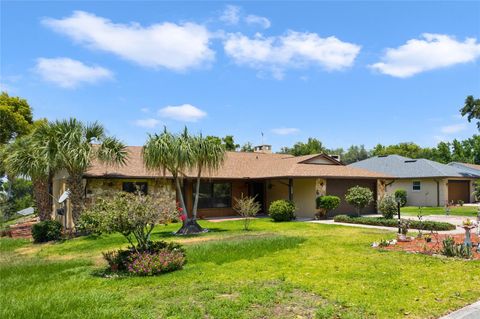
[
  {"x": 469, "y": 312},
  {"x": 455, "y": 220}
]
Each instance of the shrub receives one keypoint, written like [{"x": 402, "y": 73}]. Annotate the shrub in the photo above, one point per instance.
[
  {"x": 132, "y": 215},
  {"x": 388, "y": 206},
  {"x": 119, "y": 260},
  {"x": 451, "y": 249},
  {"x": 476, "y": 191},
  {"x": 327, "y": 203},
  {"x": 247, "y": 207},
  {"x": 359, "y": 197},
  {"x": 46, "y": 231},
  {"x": 401, "y": 195},
  {"x": 380, "y": 221},
  {"x": 282, "y": 210}
]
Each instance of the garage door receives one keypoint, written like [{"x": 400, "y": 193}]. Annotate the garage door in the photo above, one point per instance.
[
  {"x": 458, "y": 190},
  {"x": 338, "y": 187}
]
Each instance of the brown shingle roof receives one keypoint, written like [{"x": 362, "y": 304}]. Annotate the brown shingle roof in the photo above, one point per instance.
[{"x": 239, "y": 165}]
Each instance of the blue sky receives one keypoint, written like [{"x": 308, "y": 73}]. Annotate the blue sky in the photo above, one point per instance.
[{"x": 343, "y": 72}]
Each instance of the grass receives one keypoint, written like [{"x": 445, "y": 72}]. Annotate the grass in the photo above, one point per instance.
[
  {"x": 470, "y": 211},
  {"x": 276, "y": 270}
]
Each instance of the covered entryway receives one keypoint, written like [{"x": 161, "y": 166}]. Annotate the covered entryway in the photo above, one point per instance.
[
  {"x": 458, "y": 190},
  {"x": 338, "y": 187}
]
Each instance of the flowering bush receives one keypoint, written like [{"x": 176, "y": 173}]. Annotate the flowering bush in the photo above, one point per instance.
[
  {"x": 120, "y": 260},
  {"x": 148, "y": 264}
]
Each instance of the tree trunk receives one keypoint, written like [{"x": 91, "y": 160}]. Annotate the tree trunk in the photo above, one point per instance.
[
  {"x": 42, "y": 197},
  {"x": 74, "y": 183},
  {"x": 197, "y": 190},
  {"x": 190, "y": 225}
]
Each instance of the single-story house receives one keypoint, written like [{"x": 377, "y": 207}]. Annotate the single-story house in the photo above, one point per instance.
[
  {"x": 263, "y": 174},
  {"x": 428, "y": 183}
]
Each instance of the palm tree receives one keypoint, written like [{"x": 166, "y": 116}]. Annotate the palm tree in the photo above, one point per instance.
[
  {"x": 209, "y": 155},
  {"x": 28, "y": 156},
  {"x": 169, "y": 152},
  {"x": 75, "y": 145}
]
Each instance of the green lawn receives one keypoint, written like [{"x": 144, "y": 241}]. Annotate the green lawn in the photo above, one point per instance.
[
  {"x": 454, "y": 211},
  {"x": 277, "y": 270}
]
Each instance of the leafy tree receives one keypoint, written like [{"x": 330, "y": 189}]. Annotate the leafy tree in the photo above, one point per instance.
[
  {"x": 19, "y": 196},
  {"x": 74, "y": 146},
  {"x": 471, "y": 109},
  {"x": 312, "y": 146},
  {"x": 229, "y": 143},
  {"x": 15, "y": 116},
  {"x": 247, "y": 147},
  {"x": 354, "y": 154},
  {"x": 359, "y": 197},
  {"x": 458, "y": 152},
  {"x": 443, "y": 153}
]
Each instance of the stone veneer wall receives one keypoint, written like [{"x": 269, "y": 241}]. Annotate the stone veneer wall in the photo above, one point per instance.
[{"x": 98, "y": 186}]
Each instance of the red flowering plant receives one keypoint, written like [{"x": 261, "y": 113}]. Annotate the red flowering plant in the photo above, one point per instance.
[{"x": 181, "y": 214}]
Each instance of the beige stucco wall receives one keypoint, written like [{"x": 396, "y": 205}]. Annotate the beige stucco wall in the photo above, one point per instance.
[
  {"x": 276, "y": 189},
  {"x": 304, "y": 197},
  {"x": 427, "y": 196}
]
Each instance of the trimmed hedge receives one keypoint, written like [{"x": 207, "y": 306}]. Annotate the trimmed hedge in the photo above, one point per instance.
[
  {"x": 282, "y": 210},
  {"x": 381, "y": 221}
]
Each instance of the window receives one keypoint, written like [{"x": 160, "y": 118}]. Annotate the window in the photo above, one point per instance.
[
  {"x": 416, "y": 186},
  {"x": 132, "y": 187},
  {"x": 214, "y": 195}
]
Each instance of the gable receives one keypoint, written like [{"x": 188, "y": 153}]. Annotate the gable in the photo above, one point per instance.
[{"x": 321, "y": 160}]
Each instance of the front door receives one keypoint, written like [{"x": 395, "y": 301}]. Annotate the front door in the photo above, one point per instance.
[{"x": 257, "y": 189}]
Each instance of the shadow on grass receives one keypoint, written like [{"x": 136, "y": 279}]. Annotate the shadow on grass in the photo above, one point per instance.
[
  {"x": 246, "y": 247},
  {"x": 171, "y": 234}
]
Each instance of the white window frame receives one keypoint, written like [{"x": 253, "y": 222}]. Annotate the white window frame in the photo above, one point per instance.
[{"x": 419, "y": 185}]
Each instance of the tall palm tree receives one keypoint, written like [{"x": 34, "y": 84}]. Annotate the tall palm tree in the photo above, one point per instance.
[
  {"x": 209, "y": 155},
  {"x": 28, "y": 156},
  {"x": 170, "y": 152},
  {"x": 75, "y": 146}
]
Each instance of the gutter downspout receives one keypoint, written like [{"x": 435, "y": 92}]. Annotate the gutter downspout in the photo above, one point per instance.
[
  {"x": 290, "y": 189},
  {"x": 438, "y": 192}
]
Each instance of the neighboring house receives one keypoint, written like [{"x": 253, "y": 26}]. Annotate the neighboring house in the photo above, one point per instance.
[
  {"x": 427, "y": 183},
  {"x": 262, "y": 174}
]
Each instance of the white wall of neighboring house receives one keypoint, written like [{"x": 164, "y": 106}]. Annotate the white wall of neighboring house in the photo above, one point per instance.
[{"x": 426, "y": 196}]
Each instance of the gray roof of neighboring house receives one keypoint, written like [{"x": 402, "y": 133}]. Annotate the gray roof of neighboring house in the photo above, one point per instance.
[
  {"x": 404, "y": 167},
  {"x": 470, "y": 168}
]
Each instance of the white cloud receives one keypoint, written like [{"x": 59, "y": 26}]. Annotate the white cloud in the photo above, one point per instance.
[
  {"x": 257, "y": 20},
  {"x": 285, "y": 130},
  {"x": 168, "y": 45},
  {"x": 69, "y": 73},
  {"x": 184, "y": 112},
  {"x": 145, "y": 110},
  {"x": 431, "y": 51},
  {"x": 231, "y": 15},
  {"x": 292, "y": 50},
  {"x": 147, "y": 123},
  {"x": 454, "y": 128}
]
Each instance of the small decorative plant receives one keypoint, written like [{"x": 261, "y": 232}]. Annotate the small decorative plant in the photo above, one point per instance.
[
  {"x": 388, "y": 206},
  {"x": 247, "y": 207},
  {"x": 452, "y": 249},
  {"x": 468, "y": 223},
  {"x": 460, "y": 202},
  {"x": 359, "y": 197},
  {"x": 427, "y": 238},
  {"x": 401, "y": 196},
  {"x": 325, "y": 204}
]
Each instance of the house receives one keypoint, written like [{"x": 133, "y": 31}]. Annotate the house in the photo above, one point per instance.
[
  {"x": 263, "y": 174},
  {"x": 427, "y": 183}
]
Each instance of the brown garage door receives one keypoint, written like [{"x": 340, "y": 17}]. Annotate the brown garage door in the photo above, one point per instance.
[
  {"x": 458, "y": 190},
  {"x": 339, "y": 187}
]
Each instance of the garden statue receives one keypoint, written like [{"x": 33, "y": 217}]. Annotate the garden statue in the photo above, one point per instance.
[{"x": 468, "y": 225}]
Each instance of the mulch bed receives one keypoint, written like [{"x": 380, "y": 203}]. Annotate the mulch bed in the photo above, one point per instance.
[{"x": 419, "y": 245}]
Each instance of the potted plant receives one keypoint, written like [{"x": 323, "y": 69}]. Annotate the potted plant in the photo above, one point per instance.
[{"x": 468, "y": 225}]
